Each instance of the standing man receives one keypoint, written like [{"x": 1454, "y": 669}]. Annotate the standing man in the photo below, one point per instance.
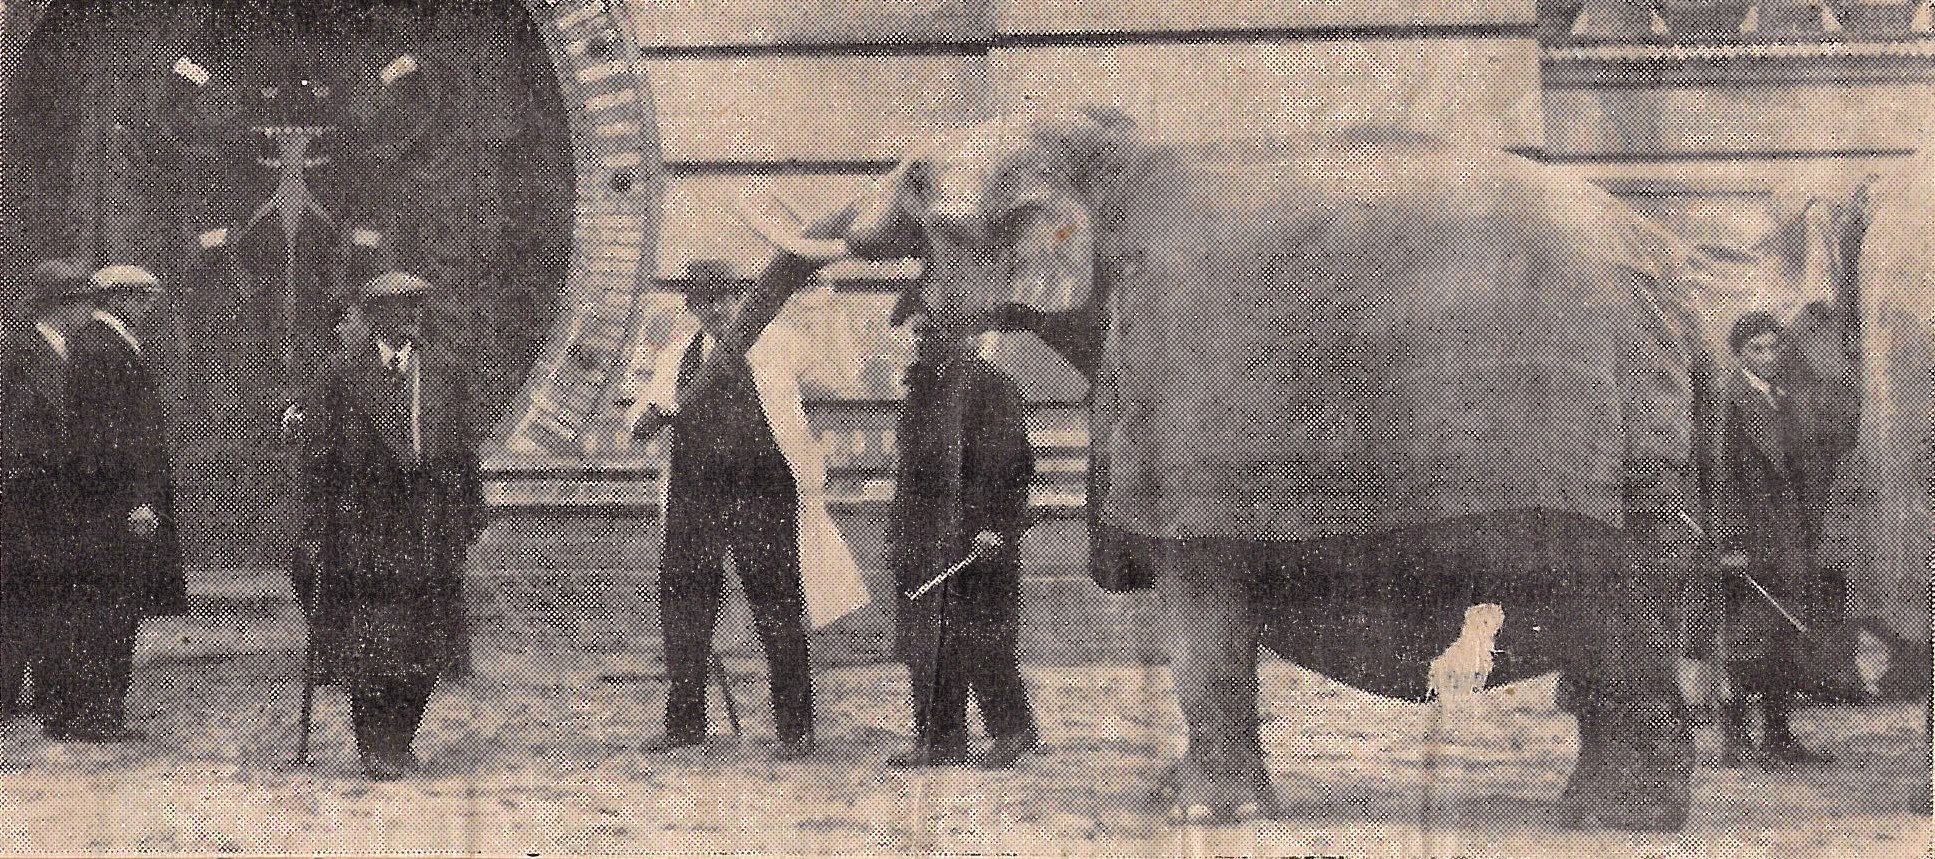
[
  {"x": 127, "y": 558},
  {"x": 34, "y": 489},
  {"x": 746, "y": 478},
  {"x": 1763, "y": 537},
  {"x": 960, "y": 635},
  {"x": 390, "y": 451}
]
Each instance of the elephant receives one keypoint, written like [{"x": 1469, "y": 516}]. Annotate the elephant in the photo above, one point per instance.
[{"x": 1339, "y": 398}]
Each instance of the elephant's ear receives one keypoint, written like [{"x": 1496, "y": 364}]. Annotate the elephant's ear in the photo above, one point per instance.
[{"x": 1109, "y": 159}]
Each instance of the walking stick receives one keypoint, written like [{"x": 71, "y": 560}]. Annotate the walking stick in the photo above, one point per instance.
[
  {"x": 293, "y": 419},
  {"x": 308, "y": 692},
  {"x": 725, "y": 690}
]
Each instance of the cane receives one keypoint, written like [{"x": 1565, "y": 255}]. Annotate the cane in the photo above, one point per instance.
[
  {"x": 293, "y": 419},
  {"x": 308, "y": 695},
  {"x": 725, "y": 690}
]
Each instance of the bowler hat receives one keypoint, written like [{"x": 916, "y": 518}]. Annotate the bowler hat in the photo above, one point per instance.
[
  {"x": 393, "y": 286},
  {"x": 118, "y": 278},
  {"x": 710, "y": 279}
]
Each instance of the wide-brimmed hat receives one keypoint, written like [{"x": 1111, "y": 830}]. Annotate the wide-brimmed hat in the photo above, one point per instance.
[{"x": 710, "y": 280}]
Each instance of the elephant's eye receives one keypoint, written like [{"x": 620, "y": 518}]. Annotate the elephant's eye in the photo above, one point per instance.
[{"x": 919, "y": 181}]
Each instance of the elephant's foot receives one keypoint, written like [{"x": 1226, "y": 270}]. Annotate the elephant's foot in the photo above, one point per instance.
[
  {"x": 1215, "y": 795},
  {"x": 1634, "y": 773}
]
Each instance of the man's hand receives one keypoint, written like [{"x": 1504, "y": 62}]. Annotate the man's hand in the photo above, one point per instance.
[
  {"x": 292, "y": 418},
  {"x": 655, "y": 420},
  {"x": 143, "y": 521},
  {"x": 1733, "y": 561},
  {"x": 987, "y": 543}
]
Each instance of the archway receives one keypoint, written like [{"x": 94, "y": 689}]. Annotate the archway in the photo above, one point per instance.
[{"x": 504, "y": 149}]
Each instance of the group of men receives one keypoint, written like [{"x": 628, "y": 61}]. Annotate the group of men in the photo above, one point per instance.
[
  {"x": 388, "y": 438},
  {"x": 86, "y": 502},
  {"x": 745, "y": 482}
]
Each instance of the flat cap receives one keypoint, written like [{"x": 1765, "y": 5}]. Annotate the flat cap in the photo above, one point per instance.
[
  {"x": 132, "y": 278},
  {"x": 393, "y": 285}
]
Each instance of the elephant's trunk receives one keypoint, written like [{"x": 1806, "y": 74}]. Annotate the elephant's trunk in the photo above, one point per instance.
[{"x": 798, "y": 258}]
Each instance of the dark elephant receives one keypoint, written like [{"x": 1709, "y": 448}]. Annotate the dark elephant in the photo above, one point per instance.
[{"x": 1342, "y": 398}]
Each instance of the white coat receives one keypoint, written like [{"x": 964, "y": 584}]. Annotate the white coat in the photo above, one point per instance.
[{"x": 828, "y": 572}]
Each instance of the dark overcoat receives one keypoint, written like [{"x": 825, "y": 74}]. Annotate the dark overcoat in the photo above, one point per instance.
[
  {"x": 996, "y": 467},
  {"x": 1760, "y": 508},
  {"x": 36, "y": 495},
  {"x": 120, "y": 462},
  {"x": 392, "y": 535}
]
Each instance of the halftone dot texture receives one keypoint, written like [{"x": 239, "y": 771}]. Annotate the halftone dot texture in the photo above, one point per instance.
[{"x": 552, "y": 167}]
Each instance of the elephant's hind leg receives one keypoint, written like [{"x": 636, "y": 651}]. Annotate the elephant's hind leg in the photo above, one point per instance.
[
  {"x": 1635, "y": 744},
  {"x": 1211, "y": 622}
]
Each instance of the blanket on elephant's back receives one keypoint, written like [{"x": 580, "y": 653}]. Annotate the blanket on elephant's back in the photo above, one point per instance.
[{"x": 1377, "y": 338}]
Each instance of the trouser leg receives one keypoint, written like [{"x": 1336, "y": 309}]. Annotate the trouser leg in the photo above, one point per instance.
[
  {"x": 100, "y": 650},
  {"x": 690, "y": 583},
  {"x": 18, "y": 643},
  {"x": 119, "y": 677},
  {"x": 386, "y": 712},
  {"x": 412, "y": 693},
  {"x": 993, "y": 664},
  {"x": 765, "y": 548},
  {"x": 57, "y": 688}
]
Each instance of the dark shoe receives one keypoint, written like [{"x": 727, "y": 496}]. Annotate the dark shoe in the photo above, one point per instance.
[
  {"x": 672, "y": 743},
  {"x": 107, "y": 734},
  {"x": 1790, "y": 752},
  {"x": 1009, "y": 749},
  {"x": 409, "y": 761},
  {"x": 1734, "y": 756},
  {"x": 383, "y": 768},
  {"x": 794, "y": 749},
  {"x": 932, "y": 753}
]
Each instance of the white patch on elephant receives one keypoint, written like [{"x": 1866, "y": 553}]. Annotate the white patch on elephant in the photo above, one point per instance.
[
  {"x": 1872, "y": 659},
  {"x": 1464, "y": 666}
]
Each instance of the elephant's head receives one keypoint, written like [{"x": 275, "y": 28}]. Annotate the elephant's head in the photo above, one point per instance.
[{"x": 1016, "y": 209}]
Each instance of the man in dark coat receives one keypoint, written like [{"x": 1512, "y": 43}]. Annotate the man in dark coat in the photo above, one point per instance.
[
  {"x": 1763, "y": 535},
  {"x": 127, "y": 563},
  {"x": 34, "y": 491},
  {"x": 731, "y": 491},
  {"x": 392, "y": 473},
  {"x": 960, "y": 635}
]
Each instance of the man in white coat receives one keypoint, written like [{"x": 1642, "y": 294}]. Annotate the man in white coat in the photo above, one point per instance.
[{"x": 745, "y": 477}]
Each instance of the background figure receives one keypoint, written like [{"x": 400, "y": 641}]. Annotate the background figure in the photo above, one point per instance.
[
  {"x": 1763, "y": 536},
  {"x": 34, "y": 493},
  {"x": 960, "y": 636},
  {"x": 394, "y": 484},
  {"x": 745, "y": 476},
  {"x": 127, "y": 557}
]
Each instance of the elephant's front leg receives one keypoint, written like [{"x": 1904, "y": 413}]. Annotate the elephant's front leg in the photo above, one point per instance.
[{"x": 1211, "y": 623}]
